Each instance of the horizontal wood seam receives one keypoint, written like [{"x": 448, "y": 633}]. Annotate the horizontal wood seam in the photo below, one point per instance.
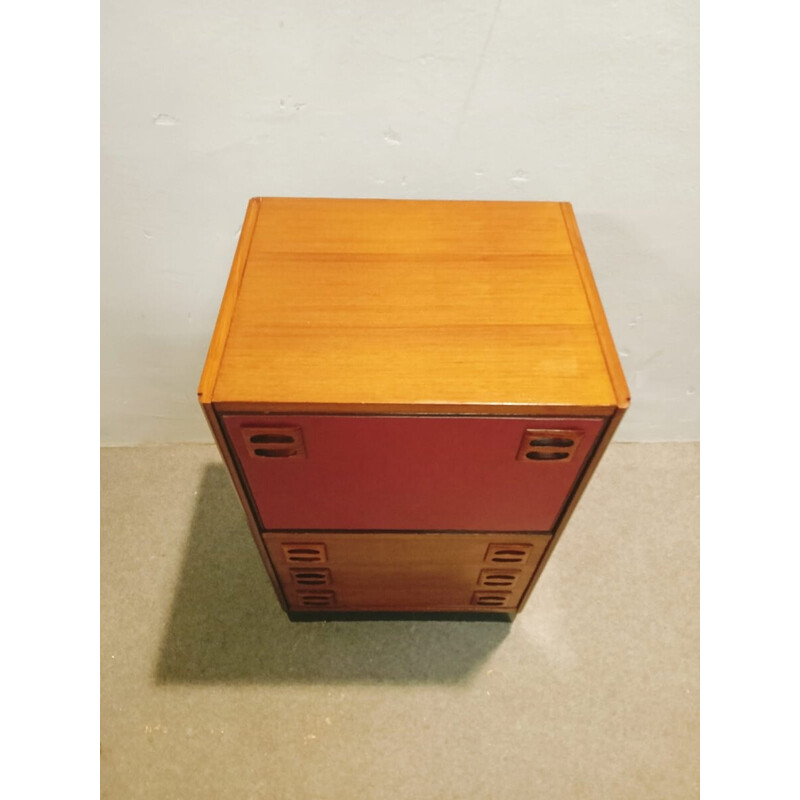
[
  {"x": 420, "y": 409},
  {"x": 350, "y": 256}
]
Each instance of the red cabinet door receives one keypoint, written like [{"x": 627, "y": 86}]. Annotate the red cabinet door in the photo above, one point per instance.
[{"x": 330, "y": 472}]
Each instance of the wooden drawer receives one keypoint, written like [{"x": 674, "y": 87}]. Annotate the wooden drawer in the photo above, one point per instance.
[
  {"x": 404, "y": 571},
  {"x": 309, "y": 472}
]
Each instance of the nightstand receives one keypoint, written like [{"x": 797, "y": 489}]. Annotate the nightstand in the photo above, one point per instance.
[{"x": 410, "y": 397}]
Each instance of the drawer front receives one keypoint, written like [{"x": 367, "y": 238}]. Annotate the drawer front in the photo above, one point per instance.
[
  {"x": 404, "y": 571},
  {"x": 324, "y": 472}
]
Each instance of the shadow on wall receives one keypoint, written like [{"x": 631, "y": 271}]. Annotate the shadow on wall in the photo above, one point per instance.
[{"x": 226, "y": 625}]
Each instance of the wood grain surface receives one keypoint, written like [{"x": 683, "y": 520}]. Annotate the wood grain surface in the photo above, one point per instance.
[
  {"x": 410, "y": 302},
  {"x": 598, "y": 314},
  {"x": 227, "y": 307},
  {"x": 405, "y": 571}
]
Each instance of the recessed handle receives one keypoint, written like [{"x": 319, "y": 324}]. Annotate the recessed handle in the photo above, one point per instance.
[
  {"x": 507, "y": 553},
  {"x": 301, "y": 553},
  {"x": 498, "y": 578},
  {"x": 275, "y": 441},
  {"x": 491, "y": 599},
  {"x": 549, "y": 445},
  {"x": 305, "y": 576},
  {"x": 317, "y": 599}
]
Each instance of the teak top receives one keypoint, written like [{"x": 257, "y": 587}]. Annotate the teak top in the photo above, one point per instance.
[{"x": 407, "y": 302}]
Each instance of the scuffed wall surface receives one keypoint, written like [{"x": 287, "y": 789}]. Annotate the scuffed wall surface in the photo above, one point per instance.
[{"x": 205, "y": 104}]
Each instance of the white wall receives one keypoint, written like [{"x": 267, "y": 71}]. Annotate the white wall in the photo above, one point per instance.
[{"x": 205, "y": 104}]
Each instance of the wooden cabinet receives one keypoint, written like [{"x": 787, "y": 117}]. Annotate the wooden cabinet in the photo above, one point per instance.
[{"x": 410, "y": 397}]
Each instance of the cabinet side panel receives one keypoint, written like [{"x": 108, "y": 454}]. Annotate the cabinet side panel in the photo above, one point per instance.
[
  {"x": 224, "y": 449},
  {"x": 594, "y": 460},
  {"x": 225, "y": 316},
  {"x": 615, "y": 373}
]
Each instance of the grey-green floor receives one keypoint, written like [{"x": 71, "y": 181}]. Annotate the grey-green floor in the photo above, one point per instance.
[{"x": 209, "y": 692}]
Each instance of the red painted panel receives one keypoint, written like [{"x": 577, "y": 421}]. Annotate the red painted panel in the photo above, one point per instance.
[{"x": 409, "y": 473}]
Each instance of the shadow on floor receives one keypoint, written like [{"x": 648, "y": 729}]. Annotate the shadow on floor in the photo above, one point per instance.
[{"x": 227, "y": 626}]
